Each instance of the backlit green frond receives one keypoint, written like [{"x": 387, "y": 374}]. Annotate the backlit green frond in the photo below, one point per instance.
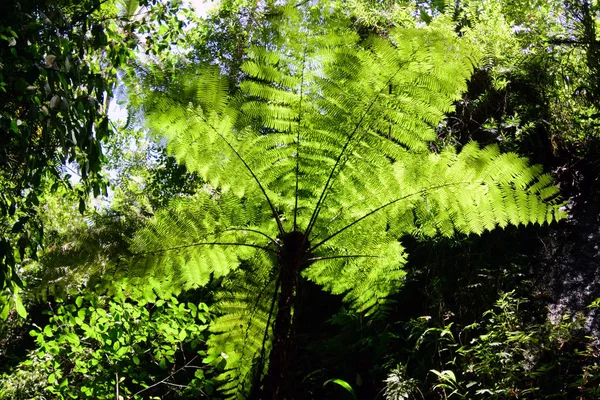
[
  {"x": 365, "y": 266},
  {"x": 477, "y": 190},
  {"x": 195, "y": 239},
  {"x": 242, "y": 335}
]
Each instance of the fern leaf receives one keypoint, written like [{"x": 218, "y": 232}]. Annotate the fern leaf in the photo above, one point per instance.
[
  {"x": 242, "y": 334},
  {"x": 189, "y": 242}
]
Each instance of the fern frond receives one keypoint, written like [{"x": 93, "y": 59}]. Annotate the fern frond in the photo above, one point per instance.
[
  {"x": 473, "y": 191},
  {"x": 366, "y": 280},
  {"x": 191, "y": 241},
  {"x": 482, "y": 189},
  {"x": 401, "y": 90},
  {"x": 242, "y": 334}
]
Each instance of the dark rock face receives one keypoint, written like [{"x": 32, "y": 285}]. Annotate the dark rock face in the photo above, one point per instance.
[{"x": 569, "y": 269}]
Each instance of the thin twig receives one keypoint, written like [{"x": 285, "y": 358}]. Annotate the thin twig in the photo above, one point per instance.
[{"x": 164, "y": 380}]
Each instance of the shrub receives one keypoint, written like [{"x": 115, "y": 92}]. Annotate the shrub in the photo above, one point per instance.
[{"x": 115, "y": 347}]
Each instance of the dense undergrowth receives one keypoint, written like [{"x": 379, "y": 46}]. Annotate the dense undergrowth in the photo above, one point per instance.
[{"x": 471, "y": 323}]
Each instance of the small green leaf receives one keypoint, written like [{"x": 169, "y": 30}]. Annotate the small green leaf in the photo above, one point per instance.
[
  {"x": 4, "y": 311},
  {"x": 48, "y": 331},
  {"x": 343, "y": 384},
  {"x": 79, "y": 301},
  {"x": 52, "y": 378},
  {"x": 192, "y": 308},
  {"x": 209, "y": 359}
]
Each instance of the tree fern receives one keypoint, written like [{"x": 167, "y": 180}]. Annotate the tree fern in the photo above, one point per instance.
[{"x": 317, "y": 166}]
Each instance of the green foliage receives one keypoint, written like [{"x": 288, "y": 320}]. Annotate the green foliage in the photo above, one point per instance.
[
  {"x": 144, "y": 177},
  {"x": 514, "y": 357},
  {"x": 508, "y": 354},
  {"x": 343, "y": 384},
  {"x": 537, "y": 93},
  {"x": 57, "y": 75},
  {"x": 316, "y": 167},
  {"x": 447, "y": 383},
  {"x": 243, "y": 335},
  {"x": 314, "y": 143},
  {"x": 95, "y": 347},
  {"x": 80, "y": 256},
  {"x": 398, "y": 386}
]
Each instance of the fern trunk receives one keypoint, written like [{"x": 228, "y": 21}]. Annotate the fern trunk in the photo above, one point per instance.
[
  {"x": 277, "y": 382},
  {"x": 293, "y": 258}
]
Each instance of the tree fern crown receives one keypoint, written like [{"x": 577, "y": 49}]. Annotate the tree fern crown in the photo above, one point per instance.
[{"x": 315, "y": 168}]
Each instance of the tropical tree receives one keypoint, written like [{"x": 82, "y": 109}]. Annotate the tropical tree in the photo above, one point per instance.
[
  {"x": 57, "y": 75},
  {"x": 315, "y": 168}
]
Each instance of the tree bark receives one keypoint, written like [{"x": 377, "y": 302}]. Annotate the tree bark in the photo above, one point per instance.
[{"x": 279, "y": 380}]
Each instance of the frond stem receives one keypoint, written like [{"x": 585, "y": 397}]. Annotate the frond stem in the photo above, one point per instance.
[
  {"x": 264, "y": 341},
  {"x": 254, "y": 231},
  {"x": 205, "y": 244},
  {"x": 315, "y": 259},
  {"x": 339, "y": 214},
  {"x": 381, "y": 208},
  {"x": 315, "y": 213},
  {"x": 246, "y": 334},
  {"x": 298, "y": 136},
  {"x": 275, "y": 215}
]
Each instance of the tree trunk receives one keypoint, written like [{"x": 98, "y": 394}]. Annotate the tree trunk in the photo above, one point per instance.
[{"x": 279, "y": 379}]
